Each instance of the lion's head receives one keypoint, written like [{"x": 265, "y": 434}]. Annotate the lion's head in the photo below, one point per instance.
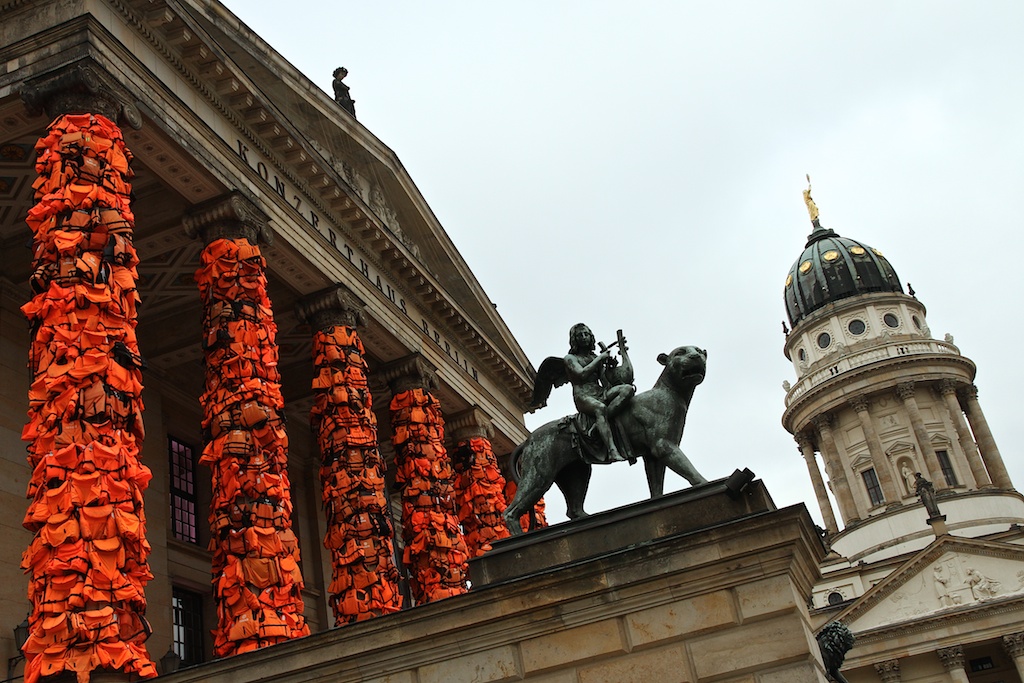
[{"x": 685, "y": 365}]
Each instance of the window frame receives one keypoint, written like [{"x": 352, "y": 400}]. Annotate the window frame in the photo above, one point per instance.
[
  {"x": 873, "y": 487},
  {"x": 184, "y": 498}
]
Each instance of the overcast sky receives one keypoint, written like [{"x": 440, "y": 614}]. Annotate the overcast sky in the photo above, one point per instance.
[{"x": 640, "y": 167}]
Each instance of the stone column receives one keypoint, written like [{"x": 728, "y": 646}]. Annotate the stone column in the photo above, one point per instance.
[
  {"x": 888, "y": 671},
  {"x": 948, "y": 390},
  {"x": 807, "y": 450},
  {"x": 1014, "y": 646},
  {"x": 359, "y": 531},
  {"x": 479, "y": 486},
  {"x": 88, "y": 561},
  {"x": 905, "y": 391},
  {"x": 954, "y": 662},
  {"x": 435, "y": 551},
  {"x": 986, "y": 442},
  {"x": 881, "y": 463},
  {"x": 837, "y": 471},
  {"x": 257, "y": 582}
]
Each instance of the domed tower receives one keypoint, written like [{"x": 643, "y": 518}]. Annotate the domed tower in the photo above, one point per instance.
[{"x": 881, "y": 400}]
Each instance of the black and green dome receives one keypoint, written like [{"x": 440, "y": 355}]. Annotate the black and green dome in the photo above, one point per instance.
[{"x": 833, "y": 268}]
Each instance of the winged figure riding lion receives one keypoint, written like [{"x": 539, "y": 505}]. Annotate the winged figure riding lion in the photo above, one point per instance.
[{"x": 614, "y": 422}]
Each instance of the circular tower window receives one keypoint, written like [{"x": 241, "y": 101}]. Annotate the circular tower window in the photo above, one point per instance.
[
  {"x": 917, "y": 322},
  {"x": 801, "y": 354},
  {"x": 891, "y": 320},
  {"x": 856, "y": 327},
  {"x": 835, "y": 597},
  {"x": 824, "y": 340}
]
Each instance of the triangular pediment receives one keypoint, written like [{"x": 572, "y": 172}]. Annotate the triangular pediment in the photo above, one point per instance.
[
  {"x": 899, "y": 448},
  {"x": 951, "y": 575}
]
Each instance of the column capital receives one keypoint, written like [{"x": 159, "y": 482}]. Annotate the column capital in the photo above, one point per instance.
[
  {"x": 823, "y": 422},
  {"x": 82, "y": 87},
  {"x": 1014, "y": 644},
  {"x": 332, "y": 307},
  {"x": 952, "y": 657},
  {"x": 948, "y": 386},
  {"x": 905, "y": 390},
  {"x": 970, "y": 391},
  {"x": 470, "y": 423},
  {"x": 803, "y": 440},
  {"x": 860, "y": 403},
  {"x": 230, "y": 216},
  {"x": 412, "y": 372},
  {"x": 888, "y": 671}
]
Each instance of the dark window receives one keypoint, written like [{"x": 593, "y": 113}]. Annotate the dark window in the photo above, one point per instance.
[
  {"x": 891, "y": 320},
  {"x": 187, "y": 634},
  {"x": 947, "y": 468},
  {"x": 835, "y": 597},
  {"x": 857, "y": 326},
  {"x": 824, "y": 340},
  {"x": 874, "y": 490},
  {"x": 917, "y": 322},
  {"x": 802, "y": 354},
  {"x": 982, "y": 664},
  {"x": 183, "y": 491}
]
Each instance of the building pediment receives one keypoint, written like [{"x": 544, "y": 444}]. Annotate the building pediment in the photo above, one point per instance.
[{"x": 951, "y": 576}]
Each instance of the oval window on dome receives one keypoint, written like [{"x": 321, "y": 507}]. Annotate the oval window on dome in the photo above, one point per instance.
[
  {"x": 789, "y": 279},
  {"x": 877, "y": 252},
  {"x": 917, "y": 322},
  {"x": 891, "y": 320},
  {"x": 805, "y": 266},
  {"x": 857, "y": 327},
  {"x": 859, "y": 251},
  {"x": 801, "y": 354},
  {"x": 824, "y": 339},
  {"x": 835, "y": 597},
  {"x": 830, "y": 255}
]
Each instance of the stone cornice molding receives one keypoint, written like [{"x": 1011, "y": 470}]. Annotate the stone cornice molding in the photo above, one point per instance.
[
  {"x": 330, "y": 308},
  {"x": 905, "y": 390},
  {"x": 412, "y": 372},
  {"x": 888, "y": 671},
  {"x": 952, "y": 657},
  {"x": 469, "y": 424},
  {"x": 230, "y": 216},
  {"x": 83, "y": 87},
  {"x": 1013, "y": 643}
]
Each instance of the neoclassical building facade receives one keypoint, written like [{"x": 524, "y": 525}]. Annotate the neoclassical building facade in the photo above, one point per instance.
[{"x": 894, "y": 416}]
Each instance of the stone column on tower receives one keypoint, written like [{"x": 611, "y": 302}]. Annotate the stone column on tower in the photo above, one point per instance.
[
  {"x": 906, "y": 393},
  {"x": 954, "y": 662},
  {"x": 84, "y": 430},
  {"x": 479, "y": 485},
  {"x": 888, "y": 671},
  {"x": 836, "y": 470},
  {"x": 1014, "y": 646},
  {"x": 862, "y": 407},
  {"x": 435, "y": 551},
  {"x": 807, "y": 450},
  {"x": 359, "y": 530},
  {"x": 986, "y": 442},
  {"x": 257, "y": 582},
  {"x": 948, "y": 389}
]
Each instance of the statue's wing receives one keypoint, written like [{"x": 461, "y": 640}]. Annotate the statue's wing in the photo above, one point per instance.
[{"x": 550, "y": 374}]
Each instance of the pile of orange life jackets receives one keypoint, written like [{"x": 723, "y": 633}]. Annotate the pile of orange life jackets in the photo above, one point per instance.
[
  {"x": 359, "y": 532},
  {"x": 87, "y": 562},
  {"x": 435, "y": 551},
  {"x": 256, "y": 577},
  {"x": 536, "y": 516},
  {"x": 480, "y": 494}
]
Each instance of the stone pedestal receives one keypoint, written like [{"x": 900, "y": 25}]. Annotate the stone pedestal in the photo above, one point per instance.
[{"x": 695, "y": 586}]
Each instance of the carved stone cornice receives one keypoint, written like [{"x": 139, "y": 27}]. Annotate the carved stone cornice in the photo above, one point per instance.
[
  {"x": 952, "y": 657},
  {"x": 412, "y": 372},
  {"x": 1014, "y": 644},
  {"x": 230, "y": 216},
  {"x": 83, "y": 87},
  {"x": 332, "y": 307},
  {"x": 860, "y": 403},
  {"x": 905, "y": 391},
  {"x": 470, "y": 424},
  {"x": 888, "y": 671}
]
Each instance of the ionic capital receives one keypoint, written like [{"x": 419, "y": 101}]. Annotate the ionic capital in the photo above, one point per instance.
[
  {"x": 860, "y": 403},
  {"x": 905, "y": 391},
  {"x": 83, "y": 87},
  {"x": 230, "y": 216},
  {"x": 412, "y": 372},
  {"x": 336, "y": 306},
  {"x": 1014, "y": 644},
  {"x": 472, "y": 423},
  {"x": 888, "y": 671},
  {"x": 952, "y": 657}
]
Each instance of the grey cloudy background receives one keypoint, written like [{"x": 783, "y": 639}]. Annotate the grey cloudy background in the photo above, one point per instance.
[{"x": 639, "y": 166}]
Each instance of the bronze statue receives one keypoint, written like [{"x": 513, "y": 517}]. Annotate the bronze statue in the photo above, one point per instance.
[
  {"x": 341, "y": 91},
  {"x": 834, "y": 640},
  {"x": 648, "y": 425},
  {"x": 925, "y": 490}
]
